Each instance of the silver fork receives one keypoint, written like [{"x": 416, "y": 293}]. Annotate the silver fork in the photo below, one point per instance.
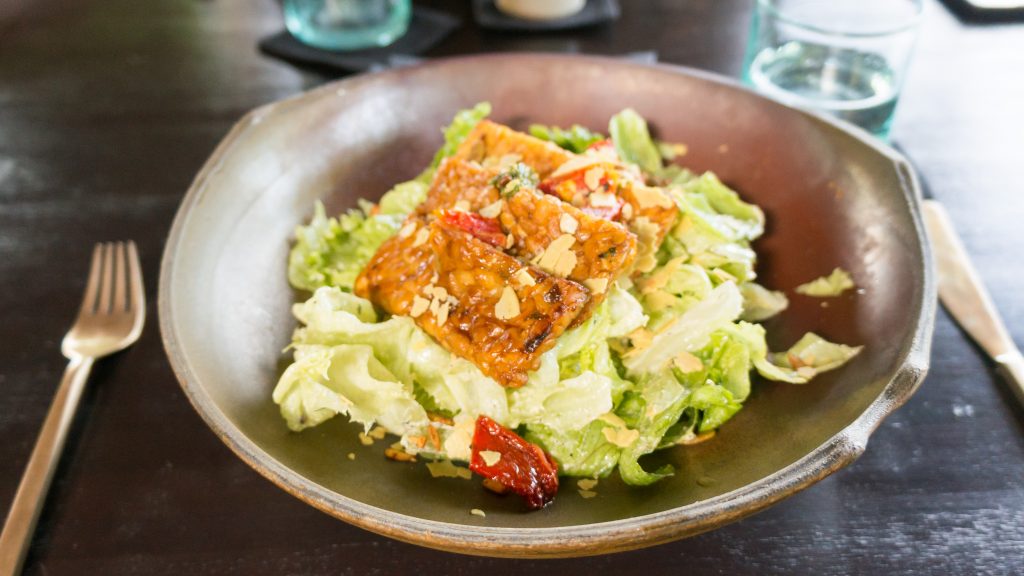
[{"x": 110, "y": 319}]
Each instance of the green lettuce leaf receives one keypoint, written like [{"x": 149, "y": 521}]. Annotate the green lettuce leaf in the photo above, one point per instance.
[
  {"x": 581, "y": 452},
  {"x": 834, "y": 284},
  {"x": 651, "y": 412},
  {"x": 760, "y": 303},
  {"x": 347, "y": 379},
  {"x": 576, "y": 138},
  {"x": 332, "y": 251},
  {"x": 810, "y": 356},
  {"x": 688, "y": 332},
  {"x": 562, "y": 405},
  {"x": 633, "y": 141},
  {"x": 404, "y": 197},
  {"x": 461, "y": 126}
]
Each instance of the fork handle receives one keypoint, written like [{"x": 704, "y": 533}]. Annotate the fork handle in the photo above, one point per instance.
[{"x": 28, "y": 502}]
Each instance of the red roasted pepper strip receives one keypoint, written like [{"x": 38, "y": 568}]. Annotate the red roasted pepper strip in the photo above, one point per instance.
[
  {"x": 483, "y": 228},
  {"x": 521, "y": 466}
]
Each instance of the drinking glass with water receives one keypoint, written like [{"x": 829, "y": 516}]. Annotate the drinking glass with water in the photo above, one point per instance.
[
  {"x": 847, "y": 58},
  {"x": 347, "y": 24}
]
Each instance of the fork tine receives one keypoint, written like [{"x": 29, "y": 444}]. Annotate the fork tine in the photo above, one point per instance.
[
  {"x": 106, "y": 280},
  {"x": 92, "y": 285},
  {"x": 120, "y": 279},
  {"x": 138, "y": 290}
]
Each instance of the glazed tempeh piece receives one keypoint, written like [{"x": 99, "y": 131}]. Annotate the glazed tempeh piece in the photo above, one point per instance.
[
  {"x": 606, "y": 190},
  {"x": 568, "y": 242},
  {"x": 458, "y": 181},
  {"x": 400, "y": 268},
  {"x": 475, "y": 300},
  {"x": 489, "y": 143}
]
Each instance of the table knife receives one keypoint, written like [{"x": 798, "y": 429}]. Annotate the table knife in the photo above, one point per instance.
[{"x": 963, "y": 294}]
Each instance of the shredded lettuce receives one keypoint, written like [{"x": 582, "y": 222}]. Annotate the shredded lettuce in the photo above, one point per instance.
[
  {"x": 834, "y": 284},
  {"x": 633, "y": 141},
  {"x": 760, "y": 303},
  {"x": 810, "y": 356},
  {"x": 332, "y": 251}
]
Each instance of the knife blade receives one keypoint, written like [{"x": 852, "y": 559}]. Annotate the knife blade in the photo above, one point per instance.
[{"x": 963, "y": 294}]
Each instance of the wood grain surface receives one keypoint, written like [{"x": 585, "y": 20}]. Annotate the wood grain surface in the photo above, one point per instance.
[{"x": 109, "y": 107}]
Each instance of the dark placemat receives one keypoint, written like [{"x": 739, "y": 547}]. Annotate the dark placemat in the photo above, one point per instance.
[
  {"x": 594, "y": 12},
  {"x": 426, "y": 28}
]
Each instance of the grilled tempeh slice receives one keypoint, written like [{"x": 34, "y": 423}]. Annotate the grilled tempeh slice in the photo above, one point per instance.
[
  {"x": 607, "y": 190},
  {"x": 568, "y": 242},
  {"x": 478, "y": 302},
  {"x": 490, "y": 143},
  {"x": 460, "y": 181}
]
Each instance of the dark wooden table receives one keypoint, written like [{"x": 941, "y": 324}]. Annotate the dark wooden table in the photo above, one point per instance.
[{"x": 109, "y": 107}]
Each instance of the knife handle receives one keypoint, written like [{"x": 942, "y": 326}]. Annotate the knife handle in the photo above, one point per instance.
[{"x": 1011, "y": 366}]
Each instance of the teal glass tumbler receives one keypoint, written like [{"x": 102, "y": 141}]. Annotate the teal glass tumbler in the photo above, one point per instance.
[
  {"x": 347, "y": 24},
  {"x": 846, "y": 58}
]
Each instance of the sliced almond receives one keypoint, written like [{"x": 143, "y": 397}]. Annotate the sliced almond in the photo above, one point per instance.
[
  {"x": 490, "y": 457},
  {"x": 604, "y": 200},
  {"x": 508, "y": 305},
  {"x": 461, "y": 206},
  {"x": 510, "y": 241},
  {"x": 492, "y": 210},
  {"x": 378, "y": 432},
  {"x": 495, "y": 486},
  {"x": 568, "y": 224},
  {"x": 419, "y": 306},
  {"x": 648, "y": 197},
  {"x": 478, "y": 512},
  {"x": 586, "y": 483},
  {"x": 592, "y": 177},
  {"x": 524, "y": 278},
  {"x": 627, "y": 211},
  {"x": 408, "y": 229},
  {"x": 687, "y": 362},
  {"x": 641, "y": 338},
  {"x": 365, "y": 440},
  {"x": 439, "y": 292},
  {"x": 557, "y": 257},
  {"x": 442, "y": 313},
  {"x": 587, "y": 493},
  {"x": 621, "y": 437},
  {"x": 421, "y": 237},
  {"x": 596, "y": 285}
]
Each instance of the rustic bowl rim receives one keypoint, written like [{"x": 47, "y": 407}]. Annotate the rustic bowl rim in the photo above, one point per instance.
[{"x": 566, "y": 541}]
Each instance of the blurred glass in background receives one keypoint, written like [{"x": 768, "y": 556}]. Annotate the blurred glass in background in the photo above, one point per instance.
[
  {"x": 847, "y": 58},
  {"x": 347, "y": 24}
]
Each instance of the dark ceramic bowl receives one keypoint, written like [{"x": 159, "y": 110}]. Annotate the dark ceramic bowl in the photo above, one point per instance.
[{"x": 834, "y": 197}]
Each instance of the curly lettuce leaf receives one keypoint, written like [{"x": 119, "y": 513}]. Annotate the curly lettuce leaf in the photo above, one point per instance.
[
  {"x": 633, "y": 141},
  {"x": 688, "y": 332},
  {"x": 332, "y": 251},
  {"x": 810, "y": 356},
  {"x": 834, "y": 284},
  {"x": 462, "y": 124},
  {"x": 562, "y": 405},
  {"x": 760, "y": 303},
  {"x": 347, "y": 379},
  {"x": 576, "y": 138},
  {"x": 404, "y": 197},
  {"x": 656, "y": 407},
  {"x": 581, "y": 452}
]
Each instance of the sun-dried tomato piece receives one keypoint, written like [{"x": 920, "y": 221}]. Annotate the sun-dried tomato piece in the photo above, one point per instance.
[
  {"x": 505, "y": 457},
  {"x": 483, "y": 228}
]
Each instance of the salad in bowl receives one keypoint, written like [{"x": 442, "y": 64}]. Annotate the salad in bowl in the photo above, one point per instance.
[{"x": 557, "y": 303}]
